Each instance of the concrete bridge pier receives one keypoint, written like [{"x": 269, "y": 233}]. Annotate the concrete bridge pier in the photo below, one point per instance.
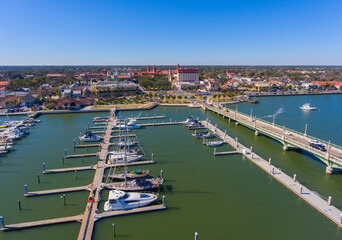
[
  {"x": 285, "y": 148},
  {"x": 256, "y": 133},
  {"x": 236, "y": 123}
]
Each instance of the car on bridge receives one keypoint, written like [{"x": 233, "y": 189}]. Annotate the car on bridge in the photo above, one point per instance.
[{"x": 316, "y": 144}]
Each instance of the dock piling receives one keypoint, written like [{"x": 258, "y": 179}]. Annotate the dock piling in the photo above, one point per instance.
[
  {"x": 225, "y": 134},
  {"x": 196, "y": 235},
  {"x": 237, "y": 142},
  {"x": 329, "y": 200},
  {"x": 164, "y": 200},
  {"x": 152, "y": 157},
  {"x": 19, "y": 205},
  {"x": 38, "y": 178},
  {"x": 161, "y": 174},
  {"x": 74, "y": 143},
  {"x": 44, "y": 168},
  {"x": 301, "y": 189},
  {"x": 214, "y": 151},
  {"x": 294, "y": 177},
  {"x": 76, "y": 174},
  {"x": 64, "y": 199},
  {"x": 272, "y": 170},
  {"x": 269, "y": 161},
  {"x": 65, "y": 152},
  {"x": 114, "y": 233},
  {"x": 25, "y": 188},
  {"x": 2, "y": 221}
]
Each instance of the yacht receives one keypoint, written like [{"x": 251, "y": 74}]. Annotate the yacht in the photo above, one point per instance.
[
  {"x": 203, "y": 135},
  {"x": 189, "y": 120},
  {"x": 120, "y": 200},
  {"x": 130, "y": 174},
  {"x": 307, "y": 106},
  {"x": 120, "y": 158},
  {"x": 213, "y": 143},
  {"x": 193, "y": 125},
  {"x": 142, "y": 184},
  {"x": 125, "y": 143},
  {"x": 121, "y": 152},
  {"x": 131, "y": 124},
  {"x": 89, "y": 137}
]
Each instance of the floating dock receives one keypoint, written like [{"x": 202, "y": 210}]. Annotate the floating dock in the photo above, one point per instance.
[
  {"x": 131, "y": 211},
  {"x": 81, "y": 155},
  {"x": 54, "y": 191},
  {"x": 19, "y": 226}
]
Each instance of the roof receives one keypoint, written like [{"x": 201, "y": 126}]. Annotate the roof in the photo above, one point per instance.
[
  {"x": 188, "y": 70},
  {"x": 55, "y": 75},
  {"x": 4, "y": 83}
]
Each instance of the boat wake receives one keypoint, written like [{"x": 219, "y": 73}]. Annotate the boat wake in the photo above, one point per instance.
[{"x": 276, "y": 113}]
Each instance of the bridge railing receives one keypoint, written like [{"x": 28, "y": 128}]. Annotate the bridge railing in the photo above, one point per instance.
[{"x": 289, "y": 129}]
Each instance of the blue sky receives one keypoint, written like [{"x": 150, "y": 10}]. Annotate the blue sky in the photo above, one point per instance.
[{"x": 113, "y": 32}]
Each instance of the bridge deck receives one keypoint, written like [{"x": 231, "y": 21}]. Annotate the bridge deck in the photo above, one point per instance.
[{"x": 294, "y": 139}]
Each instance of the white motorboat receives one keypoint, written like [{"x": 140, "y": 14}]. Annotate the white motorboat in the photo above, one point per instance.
[
  {"x": 189, "y": 120},
  {"x": 120, "y": 200},
  {"x": 213, "y": 143},
  {"x": 89, "y": 137},
  {"x": 131, "y": 124},
  {"x": 307, "y": 106},
  {"x": 120, "y": 158}
]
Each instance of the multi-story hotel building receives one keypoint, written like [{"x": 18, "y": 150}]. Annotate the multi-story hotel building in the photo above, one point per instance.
[{"x": 190, "y": 75}]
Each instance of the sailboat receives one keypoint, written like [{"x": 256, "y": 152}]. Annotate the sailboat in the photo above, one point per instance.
[
  {"x": 140, "y": 184},
  {"x": 138, "y": 173}
]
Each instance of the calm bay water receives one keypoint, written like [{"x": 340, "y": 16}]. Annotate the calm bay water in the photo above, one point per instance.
[{"x": 223, "y": 197}]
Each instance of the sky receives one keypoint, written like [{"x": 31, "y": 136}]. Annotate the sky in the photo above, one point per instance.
[{"x": 137, "y": 32}]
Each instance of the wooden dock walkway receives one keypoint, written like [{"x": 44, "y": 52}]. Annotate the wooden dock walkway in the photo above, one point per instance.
[
  {"x": 81, "y": 155},
  {"x": 19, "y": 226},
  {"x": 87, "y": 145},
  {"x": 73, "y": 169},
  {"x": 160, "y": 124},
  {"x": 54, "y": 191},
  {"x": 313, "y": 199},
  {"x": 131, "y": 211}
]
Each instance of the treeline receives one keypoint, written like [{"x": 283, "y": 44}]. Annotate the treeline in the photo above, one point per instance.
[{"x": 157, "y": 82}]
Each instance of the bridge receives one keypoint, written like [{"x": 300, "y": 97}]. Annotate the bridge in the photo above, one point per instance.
[{"x": 287, "y": 137}]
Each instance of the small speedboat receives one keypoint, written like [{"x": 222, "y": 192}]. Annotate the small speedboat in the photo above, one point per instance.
[
  {"x": 307, "y": 106},
  {"x": 89, "y": 137},
  {"x": 130, "y": 175},
  {"x": 213, "y": 143},
  {"x": 112, "y": 159},
  {"x": 120, "y": 200},
  {"x": 203, "y": 135},
  {"x": 136, "y": 185}
]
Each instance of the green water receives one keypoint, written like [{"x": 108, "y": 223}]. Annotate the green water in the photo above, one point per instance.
[{"x": 224, "y": 197}]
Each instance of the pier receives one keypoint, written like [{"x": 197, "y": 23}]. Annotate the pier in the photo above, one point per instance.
[
  {"x": 287, "y": 137},
  {"x": 40, "y": 223},
  {"x": 93, "y": 167},
  {"x": 314, "y": 200},
  {"x": 55, "y": 191}
]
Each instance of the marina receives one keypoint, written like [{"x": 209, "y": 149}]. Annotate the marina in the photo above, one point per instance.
[{"x": 230, "y": 161}]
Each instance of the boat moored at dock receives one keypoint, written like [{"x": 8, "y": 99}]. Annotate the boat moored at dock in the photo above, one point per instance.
[
  {"x": 89, "y": 137},
  {"x": 120, "y": 200}
]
